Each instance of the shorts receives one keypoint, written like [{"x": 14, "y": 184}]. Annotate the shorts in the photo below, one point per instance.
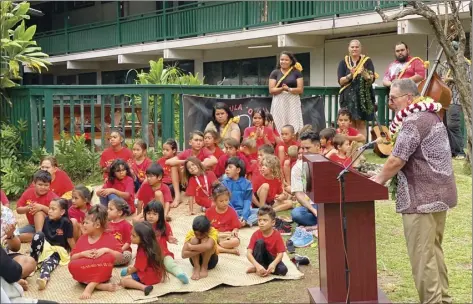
[
  {"x": 212, "y": 262},
  {"x": 27, "y": 229},
  {"x": 135, "y": 277}
]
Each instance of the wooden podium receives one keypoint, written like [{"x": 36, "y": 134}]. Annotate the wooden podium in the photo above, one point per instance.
[{"x": 323, "y": 188}]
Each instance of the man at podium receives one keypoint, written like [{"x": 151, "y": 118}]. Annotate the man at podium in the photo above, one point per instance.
[{"x": 421, "y": 163}]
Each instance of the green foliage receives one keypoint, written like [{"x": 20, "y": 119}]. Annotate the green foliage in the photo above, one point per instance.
[
  {"x": 16, "y": 44},
  {"x": 76, "y": 158},
  {"x": 16, "y": 173}
]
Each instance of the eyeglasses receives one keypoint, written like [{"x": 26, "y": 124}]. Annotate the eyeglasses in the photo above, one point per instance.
[{"x": 392, "y": 98}]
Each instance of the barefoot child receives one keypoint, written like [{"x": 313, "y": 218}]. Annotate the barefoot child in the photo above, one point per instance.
[
  {"x": 95, "y": 253},
  {"x": 241, "y": 191},
  {"x": 201, "y": 247},
  {"x": 342, "y": 145},
  {"x": 149, "y": 264},
  {"x": 51, "y": 246},
  {"x": 197, "y": 150},
  {"x": 154, "y": 189},
  {"x": 225, "y": 220},
  {"x": 139, "y": 163},
  {"x": 169, "y": 151},
  {"x": 120, "y": 228},
  {"x": 211, "y": 142},
  {"x": 266, "y": 248},
  {"x": 199, "y": 183},
  {"x": 115, "y": 151},
  {"x": 154, "y": 214},
  {"x": 81, "y": 197},
  {"x": 34, "y": 203},
  {"x": 119, "y": 185}
]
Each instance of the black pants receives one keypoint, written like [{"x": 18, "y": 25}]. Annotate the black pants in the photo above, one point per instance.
[
  {"x": 264, "y": 258},
  {"x": 212, "y": 262},
  {"x": 452, "y": 120},
  {"x": 50, "y": 263}
]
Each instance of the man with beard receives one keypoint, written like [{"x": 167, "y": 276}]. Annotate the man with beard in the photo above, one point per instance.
[{"x": 404, "y": 66}]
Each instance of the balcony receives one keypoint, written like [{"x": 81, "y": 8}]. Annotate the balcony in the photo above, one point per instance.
[{"x": 193, "y": 20}]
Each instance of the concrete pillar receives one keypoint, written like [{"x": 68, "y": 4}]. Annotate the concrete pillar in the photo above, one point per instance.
[{"x": 317, "y": 66}]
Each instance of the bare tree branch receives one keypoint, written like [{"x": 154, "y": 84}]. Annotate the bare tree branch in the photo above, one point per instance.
[
  {"x": 458, "y": 28},
  {"x": 396, "y": 16},
  {"x": 446, "y": 17}
]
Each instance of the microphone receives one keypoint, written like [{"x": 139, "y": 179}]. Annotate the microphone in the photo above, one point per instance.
[{"x": 370, "y": 144}]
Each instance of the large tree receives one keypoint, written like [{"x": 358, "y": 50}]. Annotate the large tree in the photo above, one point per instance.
[{"x": 451, "y": 30}]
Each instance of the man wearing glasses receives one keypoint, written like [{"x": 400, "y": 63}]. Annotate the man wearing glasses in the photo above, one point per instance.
[
  {"x": 405, "y": 66},
  {"x": 425, "y": 186}
]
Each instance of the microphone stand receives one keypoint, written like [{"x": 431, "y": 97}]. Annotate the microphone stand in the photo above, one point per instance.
[{"x": 341, "y": 179}]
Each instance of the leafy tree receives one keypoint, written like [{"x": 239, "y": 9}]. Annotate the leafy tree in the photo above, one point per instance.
[{"x": 17, "y": 46}]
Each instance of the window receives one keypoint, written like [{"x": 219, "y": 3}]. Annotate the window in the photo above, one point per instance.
[
  {"x": 213, "y": 72},
  {"x": 88, "y": 78},
  {"x": 231, "y": 72},
  {"x": 115, "y": 77},
  {"x": 66, "y": 80},
  {"x": 266, "y": 66},
  {"x": 249, "y": 72},
  {"x": 304, "y": 60}
]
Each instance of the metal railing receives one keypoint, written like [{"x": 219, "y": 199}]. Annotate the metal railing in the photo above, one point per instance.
[{"x": 151, "y": 112}]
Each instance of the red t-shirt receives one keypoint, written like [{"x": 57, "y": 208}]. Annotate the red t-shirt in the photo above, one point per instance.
[
  {"x": 146, "y": 193},
  {"x": 220, "y": 169},
  {"x": 252, "y": 157},
  {"x": 3, "y": 198},
  {"x": 343, "y": 161},
  {"x": 98, "y": 270},
  {"x": 416, "y": 67},
  {"x": 121, "y": 231},
  {"x": 286, "y": 146},
  {"x": 147, "y": 274},
  {"x": 350, "y": 132},
  {"x": 166, "y": 169},
  {"x": 274, "y": 243},
  {"x": 29, "y": 197},
  {"x": 201, "y": 190},
  {"x": 124, "y": 185},
  {"x": 275, "y": 186},
  {"x": 163, "y": 240},
  {"x": 251, "y": 133},
  {"x": 218, "y": 152},
  {"x": 203, "y": 154},
  {"x": 108, "y": 156},
  {"x": 223, "y": 222},
  {"x": 61, "y": 183},
  {"x": 75, "y": 213},
  {"x": 139, "y": 170}
]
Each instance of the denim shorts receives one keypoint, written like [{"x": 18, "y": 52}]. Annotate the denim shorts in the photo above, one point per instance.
[
  {"x": 135, "y": 277},
  {"x": 27, "y": 229}
]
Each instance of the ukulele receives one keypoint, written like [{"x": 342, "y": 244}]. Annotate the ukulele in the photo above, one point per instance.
[{"x": 383, "y": 148}]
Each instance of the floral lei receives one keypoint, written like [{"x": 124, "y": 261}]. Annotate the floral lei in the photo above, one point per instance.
[{"x": 420, "y": 104}]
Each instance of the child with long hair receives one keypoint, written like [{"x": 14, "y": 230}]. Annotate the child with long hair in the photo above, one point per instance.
[
  {"x": 261, "y": 133},
  {"x": 119, "y": 185},
  {"x": 169, "y": 151},
  {"x": 149, "y": 264},
  {"x": 270, "y": 124},
  {"x": 95, "y": 253},
  {"x": 120, "y": 228},
  {"x": 342, "y": 145},
  {"x": 81, "y": 198},
  {"x": 211, "y": 142},
  {"x": 268, "y": 187},
  {"x": 139, "y": 163},
  {"x": 199, "y": 183},
  {"x": 225, "y": 220},
  {"x": 51, "y": 246},
  {"x": 117, "y": 150},
  {"x": 154, "y": 214}
]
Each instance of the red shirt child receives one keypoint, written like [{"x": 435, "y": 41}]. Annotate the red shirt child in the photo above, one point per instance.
[
  {"x": 147, "y": 274},
  {"x": 203, "y": 154},
  {"x": 223, "y": 222},
  {"x": 109, "y": 155},
  {"x": 286, "y": 146},
  {"x": 275, "y": 186},
  {"x": 343, "y": 161},
  {"x": 97, "y": 270},
  {"x": 167, "y": 170},
  {"x": 61, "y": 183},
  {"x": 76, "y": 213},
  {"x": 163, "y": 240},
  {"x": 124, "y": 185},
  {"x": 121, "y": 231},
  {"x": 200, "y": 187},
  {"x": 30, "y": 197},
  {"x": 140, "y": 169},
  {"x": 220, "y": 168},
  {"x": 274, "y": 243},
  {"x": 3, "y": 198},
  {"x": 350, "y": 132},
  {"x": 146, "y": 193},
  {"x": 268, "y": 132}
]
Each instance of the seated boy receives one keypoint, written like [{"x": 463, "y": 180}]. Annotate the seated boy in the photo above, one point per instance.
[
  {"x": 232, "y": 148},
  {"x": 241, "y": 190},
  {"x": 248, "y": 147},
  {"x": 34, "y": 202},
  {"x": 356, "y": 138},
  {"x": 288, "y": 137},
  {"x": 200, "y": 247},
  {"x": 266, "y": 247},
  {"x": 293, "y": 154}
]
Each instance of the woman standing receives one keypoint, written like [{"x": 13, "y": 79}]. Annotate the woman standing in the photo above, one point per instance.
[
  {"x": 224, "y": 122},
  {"x": 286, "y": 84},
  {"x": 356, "y": 75}
]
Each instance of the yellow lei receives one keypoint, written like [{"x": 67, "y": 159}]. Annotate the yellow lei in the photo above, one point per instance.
[{"x": 235, "y": 119}]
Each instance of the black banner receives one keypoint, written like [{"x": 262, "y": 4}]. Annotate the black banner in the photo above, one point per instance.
[{"x": 198, "y": 111}]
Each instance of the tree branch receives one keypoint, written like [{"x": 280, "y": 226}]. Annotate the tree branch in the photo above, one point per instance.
[{"x": 396, "y": 16}]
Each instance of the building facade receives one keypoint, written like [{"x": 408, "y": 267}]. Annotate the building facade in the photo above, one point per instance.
[{"x": 228, "y": 42}]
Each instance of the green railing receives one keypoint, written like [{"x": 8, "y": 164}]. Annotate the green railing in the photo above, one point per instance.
[
  {"x": 193, "y": 20},
  {"x": 150, "y": 112}
]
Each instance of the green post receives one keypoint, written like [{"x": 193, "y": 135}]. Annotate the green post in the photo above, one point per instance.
[
  {"x": 382, "y": 107},
  {"x": 245, "y": 14},
  {"x": 34, "y": 121},
  {"x": 181, "y": 122},
  {"x": 281, "y": 11},
  {"x": 145, "y": 116},
  {"x": 119, "y": 30},
  {"x": 167, "y": 119},
  {"x": 48, "y": 109},
  {"x": 165, "y": 20}
]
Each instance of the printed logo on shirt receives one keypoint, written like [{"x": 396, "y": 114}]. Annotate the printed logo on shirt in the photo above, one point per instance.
[
  {"x": 59, "y": 231},
  {"x": 118, "y": 236}
]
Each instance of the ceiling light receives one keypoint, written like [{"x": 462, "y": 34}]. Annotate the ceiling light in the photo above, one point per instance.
[{"x": 260, "y": 46}]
